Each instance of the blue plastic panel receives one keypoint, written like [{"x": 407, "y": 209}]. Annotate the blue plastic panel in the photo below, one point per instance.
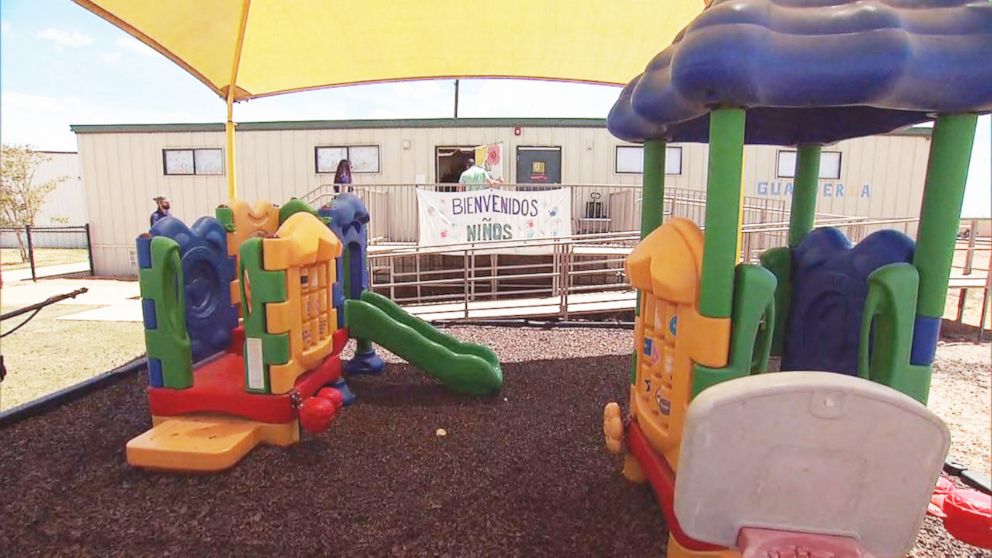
[
  {"x": 207, "y": 273},
  {"x": 926, "y": 332},
  {"x": 148, "y": 313},
  {"x": 829, "y": 286},
  {"x": 155, "y": 373},
  {"x": 349, "y": 221},
  {"x": 814, "y": 71}
]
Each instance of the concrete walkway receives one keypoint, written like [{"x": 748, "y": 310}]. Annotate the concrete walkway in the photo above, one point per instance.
[{"x": 117, "y": 298}]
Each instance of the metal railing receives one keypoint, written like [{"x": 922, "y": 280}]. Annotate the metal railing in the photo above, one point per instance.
[
  {"x": 596, "y": 208},
  {"x": 970, "y": 244},
  {"x": 46, "y": 251},
  {"x": 605, "y": 225},
  {"x": 457, "y": 280}
]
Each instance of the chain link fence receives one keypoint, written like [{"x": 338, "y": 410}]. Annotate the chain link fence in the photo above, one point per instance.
[{"x": 38, "y": 252}]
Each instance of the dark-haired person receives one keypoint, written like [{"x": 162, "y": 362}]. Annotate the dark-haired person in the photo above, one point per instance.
[
  {"x": 342, "y": 176},
  {"x": 161, "y": 211}
]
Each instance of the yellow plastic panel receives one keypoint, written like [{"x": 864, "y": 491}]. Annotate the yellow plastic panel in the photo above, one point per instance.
[
  {"x": 670, "y": 333},
  {"x": 305, "y": 248},
  {"x": 204, "y": 443},
  {"x": 249, "y": 221}
]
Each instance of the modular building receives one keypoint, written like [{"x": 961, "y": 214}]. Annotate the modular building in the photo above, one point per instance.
[{"x": 123, "y": 167}]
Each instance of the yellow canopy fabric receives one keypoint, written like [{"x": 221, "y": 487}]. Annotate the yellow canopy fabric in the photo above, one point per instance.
[{"x": 266, "y": 47}]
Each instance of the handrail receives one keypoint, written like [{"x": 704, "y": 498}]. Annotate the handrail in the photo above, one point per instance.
[
  {"x": 568, "y": 271},
  {"x": 609, "y": 236}
]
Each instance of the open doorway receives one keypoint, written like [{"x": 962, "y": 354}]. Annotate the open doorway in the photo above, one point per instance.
[{"x": 450, "y": 163}]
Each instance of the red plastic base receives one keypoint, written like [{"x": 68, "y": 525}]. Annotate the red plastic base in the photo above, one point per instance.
[
  {"x": 969, "y": 517},
  {"x": 662, "y": 481},
  {"x": 760, "y": 543},
  {"x": 219, "y": 387},
  {"x": 237, "y": 340}
]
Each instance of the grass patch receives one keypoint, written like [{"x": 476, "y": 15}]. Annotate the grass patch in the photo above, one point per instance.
[
  {"x": 10, "y": 258},
  {"x": 49, "y": 354}
]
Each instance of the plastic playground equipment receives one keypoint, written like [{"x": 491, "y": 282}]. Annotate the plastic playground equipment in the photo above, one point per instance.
[
  {"x": 218, "y": 386},
  {"x": 837, "y": 454}
]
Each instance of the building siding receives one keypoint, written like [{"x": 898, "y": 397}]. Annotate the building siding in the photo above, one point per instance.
[{"x": 121, "y": 169}]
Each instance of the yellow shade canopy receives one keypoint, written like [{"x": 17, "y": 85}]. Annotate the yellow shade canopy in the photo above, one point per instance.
[{"x": 266, "y": 47}]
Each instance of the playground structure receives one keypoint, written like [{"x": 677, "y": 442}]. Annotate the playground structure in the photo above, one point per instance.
[
  {"x": 298, "y": 278},
  {"x": 838, "y": 458},
  {"x": 838, "y": 452}
]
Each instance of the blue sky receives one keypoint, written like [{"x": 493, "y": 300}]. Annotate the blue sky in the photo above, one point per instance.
[{"x": 62, "y": 65}]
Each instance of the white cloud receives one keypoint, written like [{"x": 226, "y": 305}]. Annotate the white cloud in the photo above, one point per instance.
[
  {"x": 134, "y": 45},
  {"x": 421, "y": 99},
  {"x": 43, "y": 121},
  {"x": 110, "y": 56},
  {"x": 4, "y": 27},
  {"x": 522, "y": 98},
  {"x": 65, "y": 38}
]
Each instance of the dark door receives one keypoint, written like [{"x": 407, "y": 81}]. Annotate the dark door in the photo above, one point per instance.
[
  {"x": 449, "y": 164},
  {"x": 538, "y": 165}
]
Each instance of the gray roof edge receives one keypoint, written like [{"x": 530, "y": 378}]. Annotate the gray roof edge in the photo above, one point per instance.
[
  {"x": 344, "y": 124},
  {"x": 379, "y": 124}
]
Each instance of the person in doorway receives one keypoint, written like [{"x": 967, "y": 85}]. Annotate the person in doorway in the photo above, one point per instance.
[
  {"x": 342, "y": 176},
  {"x": 161, "y": 211},
  {"x": 474, "y": 177}
]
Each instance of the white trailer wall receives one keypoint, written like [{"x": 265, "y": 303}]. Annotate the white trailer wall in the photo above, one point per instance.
[
  {"x": 66, "y": 204},
  {"x": 122, "y": 168}
]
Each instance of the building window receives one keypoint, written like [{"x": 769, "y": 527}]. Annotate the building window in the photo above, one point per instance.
[
  {"x": 829, "y": 164},
  {"x": 364, "y": 158},
  {"x": 193, "y": 161},
  {"x": 630, "y": 159}
]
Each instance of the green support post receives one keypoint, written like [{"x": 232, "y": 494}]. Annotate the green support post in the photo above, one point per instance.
[
  {"x": 652, "y": 207},
  {"x": 653, "y": 188},
  {"x": 803, "y": 211},
  {"x": 723, "y": 196},
  {"x": 943, "y": 194}
]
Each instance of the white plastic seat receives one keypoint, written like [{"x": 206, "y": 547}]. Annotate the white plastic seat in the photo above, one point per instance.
[{"x": 811, "y": 452}]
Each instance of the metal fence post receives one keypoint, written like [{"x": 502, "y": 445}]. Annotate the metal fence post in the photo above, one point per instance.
[
  {"x": 566, "y": 278},
  {"x": 89, "y": 249},
  {"x": 465, "y": 287},
  {"x": 27, "y": 232}
]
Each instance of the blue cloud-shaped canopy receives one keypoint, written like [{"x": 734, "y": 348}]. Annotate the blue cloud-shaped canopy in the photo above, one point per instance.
[{"x": 814, "y": 71}]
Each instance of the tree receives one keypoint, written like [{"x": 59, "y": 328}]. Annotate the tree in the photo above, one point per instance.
[{"x": 20, "y": 198}]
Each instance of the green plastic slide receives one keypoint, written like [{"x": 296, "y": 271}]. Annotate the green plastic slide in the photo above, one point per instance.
[{"x": 461, "y": 367}]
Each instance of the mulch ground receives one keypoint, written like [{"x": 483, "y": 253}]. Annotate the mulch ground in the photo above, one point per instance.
[{"x": 523, "y": 473}]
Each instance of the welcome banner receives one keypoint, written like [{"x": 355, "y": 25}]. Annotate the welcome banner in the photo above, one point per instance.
[{"x": 494, "y": 215}]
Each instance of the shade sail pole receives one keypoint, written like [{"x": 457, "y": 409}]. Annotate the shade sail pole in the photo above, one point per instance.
[
  {"x": 232, "y": 174},
  {"x": 232, "y": 179}
]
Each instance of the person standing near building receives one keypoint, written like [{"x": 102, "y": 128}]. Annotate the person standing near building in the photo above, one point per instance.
[
  {"x": 161, "y": 211},
  {"x": 342, "y": 176},
  {"x": 474, "y": 177}
]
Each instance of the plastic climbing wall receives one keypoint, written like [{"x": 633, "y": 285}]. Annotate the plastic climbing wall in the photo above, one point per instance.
[{"x": 286, "y": 284}]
